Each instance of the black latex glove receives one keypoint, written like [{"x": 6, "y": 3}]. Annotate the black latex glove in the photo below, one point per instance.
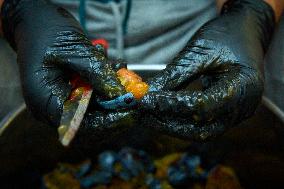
[
  {"x": 51, "y": 46},
  {"x": 100, "y": 126},
  {"x": 227, "y": 51}
]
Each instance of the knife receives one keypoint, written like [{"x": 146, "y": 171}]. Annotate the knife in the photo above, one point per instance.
[
  {"x": 74, "y": 110},
  {"x": 75, "y": 107}
]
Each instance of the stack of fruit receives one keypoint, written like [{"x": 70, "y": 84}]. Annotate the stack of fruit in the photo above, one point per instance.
[{"x": 130, "y": 168}]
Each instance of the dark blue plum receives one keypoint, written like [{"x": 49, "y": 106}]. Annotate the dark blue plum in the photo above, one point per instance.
[
  {"x": 100, "y": 177},
  {"x": 148, "y": 163},
  {"x": 192, "y": 162},
  {"x": 177, "y": 175},
  {"x": 107, "y": 160},
  {"x": 84, "y": 169},
  {"x": 204, "y": 175},
  {"x": 152, "y": 182},
  {"x": 125, "y": 175},
  {"x": 129, "y": 163}
]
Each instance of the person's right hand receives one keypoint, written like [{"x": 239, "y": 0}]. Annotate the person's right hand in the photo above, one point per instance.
[
  {"x": 226, "y": 54},
  {"x": 51, "y": 46}
]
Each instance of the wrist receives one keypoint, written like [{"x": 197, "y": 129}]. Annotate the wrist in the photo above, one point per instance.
[
  {"x": 255, "y": 16},
  {"x": 277, "y": 6},
  {"x": 7, "y": 21},
  {"x": 220, "y": 4},
  {"x": 1, "y": 32}
]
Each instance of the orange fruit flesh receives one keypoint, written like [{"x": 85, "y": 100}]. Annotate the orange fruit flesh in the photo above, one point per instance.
[{"x": 132, "y": 83}]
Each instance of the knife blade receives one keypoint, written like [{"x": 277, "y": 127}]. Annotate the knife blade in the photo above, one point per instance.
[{"x": 74, "y": 110}]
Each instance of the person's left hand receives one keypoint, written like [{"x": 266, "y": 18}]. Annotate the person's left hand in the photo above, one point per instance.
[
  {"x": 227, "y": 52},
  {"x": 51, "y": 47}
]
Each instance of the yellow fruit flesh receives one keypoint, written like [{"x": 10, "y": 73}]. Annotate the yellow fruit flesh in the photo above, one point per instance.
[{"x": 132, "y": 83}]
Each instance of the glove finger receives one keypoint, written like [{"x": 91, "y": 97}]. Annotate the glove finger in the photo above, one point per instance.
[
  {"x": 101, "y": 120},
  {"x": 183, "y": 129},
  {"x": 191, "y": 62},
  {"x": 99, "y": 126},
  {"x": 236, "y": 92},
  {"x": 45, "y": 90},
  {"x": 115, "y": 64},
  {"x": 72, "y": 50},
  {"x": 118, "y": 64}
]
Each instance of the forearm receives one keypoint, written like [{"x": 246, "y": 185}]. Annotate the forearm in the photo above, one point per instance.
[
  {"x": 220, "y": 4},
  {"x": 277, "y": 6},
  {"x": 1, "y": 2}
]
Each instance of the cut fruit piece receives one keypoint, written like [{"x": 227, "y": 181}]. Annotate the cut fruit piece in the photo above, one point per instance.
[{"x": 132, "y": 82}]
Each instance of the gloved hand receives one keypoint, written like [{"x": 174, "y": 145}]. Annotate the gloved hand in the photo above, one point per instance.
[
  {"x": 100, "y": 126},
  {"x": 51, "y": 46},
  {"x": 227, "y": 52}
]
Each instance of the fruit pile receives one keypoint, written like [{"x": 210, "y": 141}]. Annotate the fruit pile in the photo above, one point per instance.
[{"x": 130, "y": 168}]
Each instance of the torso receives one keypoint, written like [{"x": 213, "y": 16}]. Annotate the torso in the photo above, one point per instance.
[{"x": 144, "y": 32}]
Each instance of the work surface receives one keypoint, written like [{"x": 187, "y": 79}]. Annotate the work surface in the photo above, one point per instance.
[{"x": 254, "y": 148}]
